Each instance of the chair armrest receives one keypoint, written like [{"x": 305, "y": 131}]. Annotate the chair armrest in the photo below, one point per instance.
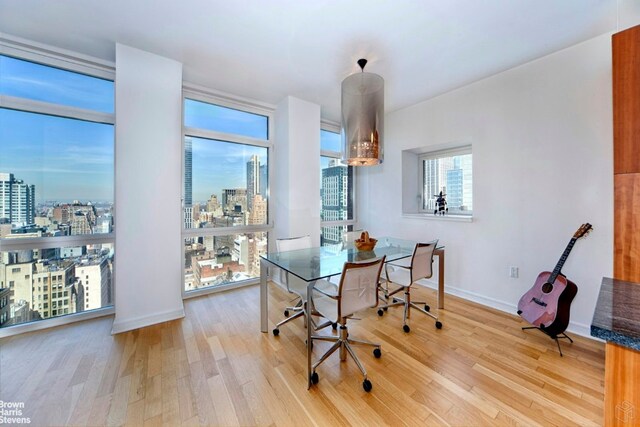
[
  {"x": 401, "y": 263},
  {"x": 325, "y": 292}
]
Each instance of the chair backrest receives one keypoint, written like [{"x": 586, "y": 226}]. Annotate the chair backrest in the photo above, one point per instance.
[
  {"x": 422, "y": 260},
  {"x": 292, "y": 283},
  {"x": 293, "y": 243},
  {"x": 359, "y": 286},
  {"x": 351, "y": 236}
]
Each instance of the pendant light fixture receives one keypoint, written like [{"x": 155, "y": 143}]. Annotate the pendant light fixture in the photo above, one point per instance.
[{"x": 362, "y": 118}]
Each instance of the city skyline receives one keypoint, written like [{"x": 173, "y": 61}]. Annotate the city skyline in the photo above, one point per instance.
[{"x": 219, "y": 165}]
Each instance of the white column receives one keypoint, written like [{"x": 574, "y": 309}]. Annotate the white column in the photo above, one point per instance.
[
  {"x": 297, "y": 176},
  {"x": 148, "y": 264}
]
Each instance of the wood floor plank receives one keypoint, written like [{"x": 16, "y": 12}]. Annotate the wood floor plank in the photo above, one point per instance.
[{"x": 214, "y": 367}]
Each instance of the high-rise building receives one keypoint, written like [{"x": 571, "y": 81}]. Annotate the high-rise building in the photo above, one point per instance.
[
  {"x": 52, "y": 288},
  {"x": 17, "y": 201},
  {"x": 258, "y": 215},
  {"x": 94, "y": 275},
  {"x": 5, "y": 197},
  {"x": 466, "y": 164},
  {"x": 335, "y": 200},
  {"x": 253, "y": 180},
  {"x": 187, "y": 212},
  {"x": 17, "y": 277},
  {"x": 5, "y": 306},
  {"x": 234, "y": 200},
  {"x": 188, "y": 168},
  {"x": 212, "y": 203},
  {"x": 454, "y": 189},
  {"x": 431, "y": 183},
  {"x": 80, "y": 223},
  {"x": 264, "y": 181}
]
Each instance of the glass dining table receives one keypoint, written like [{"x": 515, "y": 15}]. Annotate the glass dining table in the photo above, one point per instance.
[{"x": 318, "y": 263}]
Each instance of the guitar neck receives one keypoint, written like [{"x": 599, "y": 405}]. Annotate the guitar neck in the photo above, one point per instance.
[{"x": 561, "y": 261}]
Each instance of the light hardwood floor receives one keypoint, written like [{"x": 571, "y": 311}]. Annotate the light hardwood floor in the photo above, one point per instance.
[{"x": 214, "y": 367}]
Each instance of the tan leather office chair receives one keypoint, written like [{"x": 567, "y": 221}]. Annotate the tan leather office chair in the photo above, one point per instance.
[
  {"x": 404, "y": 273},
  {"x": 358, "y": 290}
]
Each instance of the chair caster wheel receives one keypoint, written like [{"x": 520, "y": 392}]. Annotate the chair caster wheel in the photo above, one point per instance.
[
  {"x": 334, "y": 325},
  {"x": 386, "y": 308},
  {"x": 377, "y": 353},
  {"x": 426, "y": 307},
  {"x": 314, "y": 378},
  {"x": 406, "y": 328},
  {"x": 395, "y": 300},
  {"x": 276, "y": 332},
  {"x": 380, "y": 312},
  {"x": 366, "y": 385},
  {"x": 286, "y": 313},
  {"x": 438, "y": 325}
]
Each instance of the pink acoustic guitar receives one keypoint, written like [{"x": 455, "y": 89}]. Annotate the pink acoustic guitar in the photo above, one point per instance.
[{"x": 548, "y": 303}]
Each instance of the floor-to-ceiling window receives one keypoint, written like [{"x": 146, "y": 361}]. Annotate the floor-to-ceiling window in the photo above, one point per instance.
[
  {"x": 56, "y": 186},
  {"x": 336, "y": 189},
  {"x": 227, "y": 149}
]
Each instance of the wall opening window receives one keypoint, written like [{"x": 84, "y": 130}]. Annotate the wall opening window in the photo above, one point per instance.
[
  {"x": 336, "y": 190},
  {"x": 427, "y": 171},
  {"x": 226, "y": 192},
  {"x": 56, "y": 186},
  {"x": 449, "y": 173}
]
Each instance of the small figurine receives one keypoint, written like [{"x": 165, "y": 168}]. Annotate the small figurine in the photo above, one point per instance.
[{"x": 441, "y": 204}]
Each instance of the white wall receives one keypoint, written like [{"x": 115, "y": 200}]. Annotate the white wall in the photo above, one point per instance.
[
  {"x": 296, "y": 195},
  {"x": 148, "y": 267},
  {"x": 542, "y": 165}
]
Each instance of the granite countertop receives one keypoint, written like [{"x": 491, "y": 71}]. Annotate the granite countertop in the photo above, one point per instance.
[{"x": 617, "y": 315}]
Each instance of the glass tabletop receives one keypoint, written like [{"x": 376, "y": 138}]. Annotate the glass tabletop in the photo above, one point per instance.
[{"x": 319, "y": 263}]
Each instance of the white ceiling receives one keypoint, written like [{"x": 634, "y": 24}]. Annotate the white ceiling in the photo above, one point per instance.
[{"x": 266, "y": 50}]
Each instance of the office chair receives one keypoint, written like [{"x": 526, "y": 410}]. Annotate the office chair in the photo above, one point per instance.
[
  {"x": 349, "y": 237},
  {"x": 358, "y": 290},
  {"x": 404, "y": 273},
  {"x": 295, "y": 285}
]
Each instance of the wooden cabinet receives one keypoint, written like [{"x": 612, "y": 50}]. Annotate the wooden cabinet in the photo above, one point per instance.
[
  {"x": 622, "y": 366},
  {"x": 626, "y": 101}
]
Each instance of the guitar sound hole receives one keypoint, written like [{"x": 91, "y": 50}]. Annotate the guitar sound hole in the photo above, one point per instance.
[{"x": 547, "y": 287}]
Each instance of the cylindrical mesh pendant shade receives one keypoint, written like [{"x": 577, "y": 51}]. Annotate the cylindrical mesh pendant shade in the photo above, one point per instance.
[{"x": 362, "y": 119}]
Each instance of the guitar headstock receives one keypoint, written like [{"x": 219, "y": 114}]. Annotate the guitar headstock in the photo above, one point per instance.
[{"x": 583, "y": 230}]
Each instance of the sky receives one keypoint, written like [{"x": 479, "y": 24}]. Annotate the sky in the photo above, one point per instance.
[
  {"x": 65, "y": 159},
  {"x": 220, "y": 164},
  {"x": 69, "y": 159}
]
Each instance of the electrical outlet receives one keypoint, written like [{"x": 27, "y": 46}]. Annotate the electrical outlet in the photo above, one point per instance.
[{"x": 513, "y": 272}]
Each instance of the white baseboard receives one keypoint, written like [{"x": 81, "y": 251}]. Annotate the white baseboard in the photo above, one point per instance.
[
  {"x": 574, "y": 327},
  {"x": 140, "y": 322}
]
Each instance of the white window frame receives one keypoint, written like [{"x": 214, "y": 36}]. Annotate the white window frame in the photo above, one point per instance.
[
  {"x": 335, "y": 128},
  {"x": 69, "y": 61},
  {"x": 467, "y": 149},
  {"x": 202, "y": 94}
]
